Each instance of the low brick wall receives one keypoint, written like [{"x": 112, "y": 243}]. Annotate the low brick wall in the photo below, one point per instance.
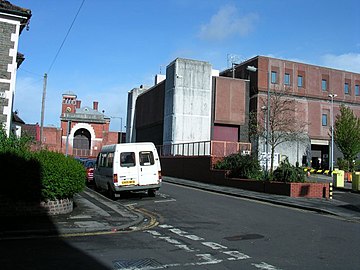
[
  {"x": 23, "y": 208},
  {"x": 199, "y": 169}
]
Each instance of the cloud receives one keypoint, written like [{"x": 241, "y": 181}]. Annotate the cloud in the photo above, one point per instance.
[
  {"x": 227, "y": 23},
  {"x": 348, "y": 61}
]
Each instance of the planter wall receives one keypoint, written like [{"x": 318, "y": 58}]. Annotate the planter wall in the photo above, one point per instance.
[
  {"x": 24, "y": 208},
  {"x": 199, "y": 169}
]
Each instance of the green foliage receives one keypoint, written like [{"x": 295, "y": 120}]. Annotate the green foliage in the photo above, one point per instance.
[
  {"x": 13, "y": 144},
  {"x": 20, "y": 176},
  {"x": 347, "y": 134},
  {"x": 241, "y": 166},
  {"x": 61, "y": 176},
  {"x": 35, "y": 176},
  {"x": 343, "y": 164},
  {"x": 288, "y": 173}
]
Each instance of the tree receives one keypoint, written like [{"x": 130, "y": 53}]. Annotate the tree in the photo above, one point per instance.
[
  {"x": 347, "y": 134},
  {"x": 285, "y": 123}
]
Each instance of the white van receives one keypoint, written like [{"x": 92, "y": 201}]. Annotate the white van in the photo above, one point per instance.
[{"x": 128, "y": 167}]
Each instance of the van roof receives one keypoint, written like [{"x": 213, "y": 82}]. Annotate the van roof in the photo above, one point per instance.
[{"x": 112, "y": 147}]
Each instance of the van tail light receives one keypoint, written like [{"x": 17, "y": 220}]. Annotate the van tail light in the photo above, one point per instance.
[
  {"x": 159, "y": 175},
  {"x": 115, "y": 178}
]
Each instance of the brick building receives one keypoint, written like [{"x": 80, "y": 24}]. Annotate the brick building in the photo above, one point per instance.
[
  {"x": 310, "y": 86},
  {"x": 13, "y": 20},
  {"x": 195, "y": 103},
  {"x": 83, "y": 130}
]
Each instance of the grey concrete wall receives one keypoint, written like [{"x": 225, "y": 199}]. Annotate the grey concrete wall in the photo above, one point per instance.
[
  {"x": 188, "y": 97},
  {"x": 131, "y": 117}
]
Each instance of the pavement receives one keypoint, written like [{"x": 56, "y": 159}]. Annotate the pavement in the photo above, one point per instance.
[{"x": 96, "y": 214}]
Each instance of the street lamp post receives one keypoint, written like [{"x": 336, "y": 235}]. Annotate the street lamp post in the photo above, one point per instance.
[{"x": 332, "y": 96}]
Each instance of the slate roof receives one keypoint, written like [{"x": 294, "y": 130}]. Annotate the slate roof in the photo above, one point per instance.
[{"x": 7, "y": 7}]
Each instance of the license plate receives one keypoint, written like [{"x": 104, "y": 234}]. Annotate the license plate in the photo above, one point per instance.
[{"x": 128, "y": 182}]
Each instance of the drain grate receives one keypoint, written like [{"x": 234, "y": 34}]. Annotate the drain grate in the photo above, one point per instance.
[
  {"x": 244, "y": 237},
  {"x": 137, "y": 264}
]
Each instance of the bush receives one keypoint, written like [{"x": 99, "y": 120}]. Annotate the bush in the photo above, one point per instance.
[
  {"x": 36, "y": 176},
  {"x": 20, "y": 176},
  {"x": 15, "y": 145},
  {"x": 288, "y": 173},
  {"x": 343, "y": 164},
  {"x": 61, "y": 176},
  {"x": 241, "y": 166}
]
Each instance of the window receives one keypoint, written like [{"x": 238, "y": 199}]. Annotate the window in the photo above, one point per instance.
[
  {"x": 110, "y": 160},
  {"x": 146, "y": 158},
  {"x": 324, "y": 120},
  {"x": 127, "y": 159},
  {"x": 324, "y": 85},
  {"x": 357, "y": 90},
  {"x": 346, "y": 89},
  {"x": 287, "y": 79},
  {"x": 102, "y": 160},
  {"x": 300, "y": 81},
  {"x": 273, "y": 76}
]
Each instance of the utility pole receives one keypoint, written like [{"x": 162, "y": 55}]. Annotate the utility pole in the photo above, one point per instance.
[{"x": 43, "y": 110}]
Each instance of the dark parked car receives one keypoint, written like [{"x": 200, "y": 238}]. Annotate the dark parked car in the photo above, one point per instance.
[{"x": 89, "y": 166}]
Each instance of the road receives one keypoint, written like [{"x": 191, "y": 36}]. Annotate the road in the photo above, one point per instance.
[{"x": 201, "y": 230}]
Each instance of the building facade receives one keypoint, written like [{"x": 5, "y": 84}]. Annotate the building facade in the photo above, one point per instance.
[
  {"x": 82, "y": 133},
  {"x": 193, "y": 107},
  {"x": 312, "y": 87},
  {"x": 196, "y": 103},
  {"x": 13, "y": 19}
]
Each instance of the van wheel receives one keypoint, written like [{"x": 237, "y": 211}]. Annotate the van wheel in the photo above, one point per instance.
[
  {"x": 111, "y": 193},
  {"x": 151, "y": 192}
]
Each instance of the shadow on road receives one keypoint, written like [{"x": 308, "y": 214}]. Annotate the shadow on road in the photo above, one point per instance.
[{"x": 28, "y": 237}]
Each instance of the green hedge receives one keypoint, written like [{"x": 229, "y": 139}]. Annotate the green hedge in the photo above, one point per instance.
[
  {"x": 241, "y": 166},
  {"x": 61, "y": 176},
  {"x": 35, "y": 176}
]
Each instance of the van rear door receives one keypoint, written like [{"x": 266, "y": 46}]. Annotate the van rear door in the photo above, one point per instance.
[
  {"x": 128, "y": 172},
  {"x": 148, "y": 169}
]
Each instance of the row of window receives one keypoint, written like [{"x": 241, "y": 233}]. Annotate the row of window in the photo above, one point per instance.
[
  {"x": 127, "y": 159},
  {"x": 300, "y": 83}
]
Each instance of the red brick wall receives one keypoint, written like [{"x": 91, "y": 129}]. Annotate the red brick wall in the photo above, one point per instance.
[
  {"x": 230, "y": 101},
  {"x": 199, "y": 169}
]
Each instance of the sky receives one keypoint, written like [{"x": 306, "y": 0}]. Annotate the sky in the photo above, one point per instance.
[{"x": 100, "y": 50}]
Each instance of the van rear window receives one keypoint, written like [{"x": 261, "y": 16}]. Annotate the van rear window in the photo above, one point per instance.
[
  {"x": 146, "y": 158},
  {"x": 127, "y": 159}
]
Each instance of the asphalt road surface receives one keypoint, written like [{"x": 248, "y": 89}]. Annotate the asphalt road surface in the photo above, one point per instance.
[{"x": 201, "y": 230}]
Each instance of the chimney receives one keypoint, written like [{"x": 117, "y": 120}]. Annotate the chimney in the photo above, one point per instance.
[
  {"x": 78, "y": 104},
  {"x": 95, "y": 105}
]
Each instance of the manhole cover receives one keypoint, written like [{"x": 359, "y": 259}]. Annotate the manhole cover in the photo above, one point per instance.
[
  {"x": 136, "y": 264},
  {"x": 244, "y": 237}
]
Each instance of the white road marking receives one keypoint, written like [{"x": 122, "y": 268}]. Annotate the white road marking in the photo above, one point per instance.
[
  {"x": 185, "y": 234},
  {"x": 236, "y": 255},
  {"x": 205, "y": 258},
  {"x": 162, "y": 201},
  {"x": 265, "y": 266},
  {"x": 165, "y": 226},
  {"x": 154, "y": 233},
  {"x": 213, "y": 245}
]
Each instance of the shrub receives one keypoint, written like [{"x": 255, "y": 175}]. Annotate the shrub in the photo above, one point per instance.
[
  {"x": 241, "y": 166},
  {"x": 288, "y": 173},
  {"x": 20, "y": 177},
  {"x": 35, "y": 176},
  {"x": 61, "y": 176},
  {"x": 15, "y": 145},
  {"x": 343, "y": 164}
]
